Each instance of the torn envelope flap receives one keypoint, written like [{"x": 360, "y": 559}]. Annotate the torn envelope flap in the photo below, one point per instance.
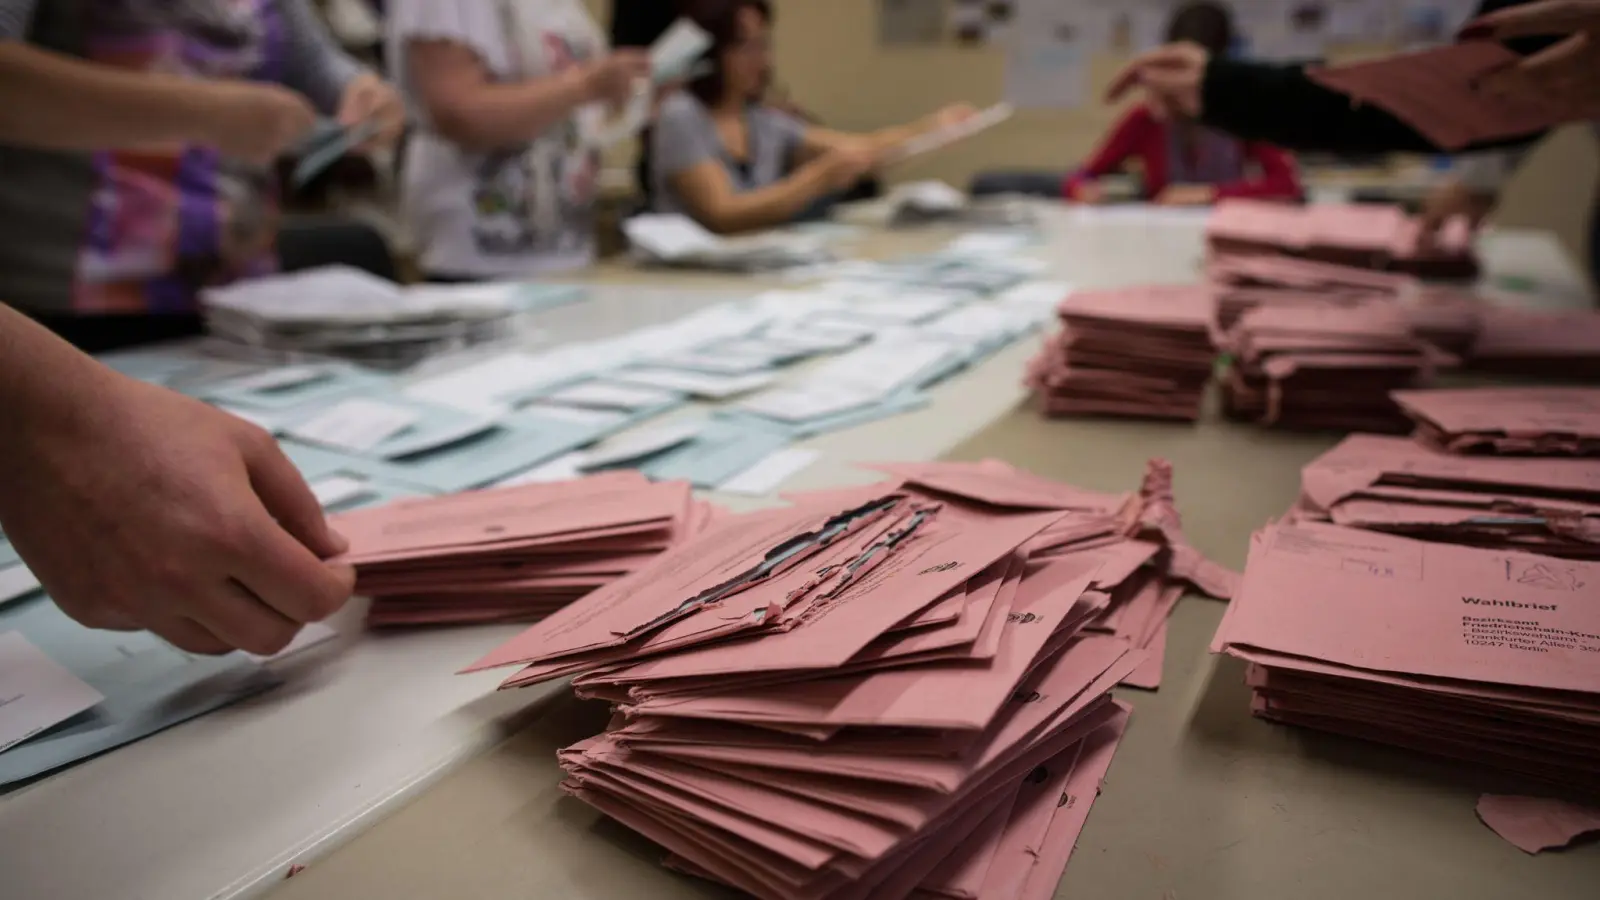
[
  {"x": 960, "y": 541},
  {"x": 659, "y": 593}
]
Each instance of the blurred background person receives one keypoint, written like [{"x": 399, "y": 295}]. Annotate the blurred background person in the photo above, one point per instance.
[
  {"x": 501, "y": 177},
  {"x": 1183, "y": 162},
  {"x": 113, "y": 248},
  {"x": 723, "y": 155}
]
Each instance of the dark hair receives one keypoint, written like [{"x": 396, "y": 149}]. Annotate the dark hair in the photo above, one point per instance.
[
  {"x": 1208, "y": 24},
  {"x": 720, "y": 19}
]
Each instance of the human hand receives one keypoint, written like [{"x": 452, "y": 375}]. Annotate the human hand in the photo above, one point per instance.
[
  {"x": 370, "y": 99},
  {"x": 139, "y": 508},
  {"x": 1451, "y": 200},
  {"x": 952, "y": 115},
  {"x": 843, "y": 166},
  {"x": 1187, "y": 195},
  {"x": 1088, "y": 192},
  {"x": 610, "y": 78},
  {"x": 254, "y": 122},
  {"x": 1171, "y": 78},
  {"x": 1566, "y": 72}
]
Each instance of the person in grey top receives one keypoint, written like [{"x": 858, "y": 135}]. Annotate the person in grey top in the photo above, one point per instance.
[{"x": 733, "y": 163}]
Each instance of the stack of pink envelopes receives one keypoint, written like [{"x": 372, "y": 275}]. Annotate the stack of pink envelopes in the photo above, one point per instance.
[
  {"x": 883, "y": 691},
  {"x": 1563, "y": 345},
  {"x": 1446, "y": 317},
  {"x": 1246, "y": 282},
  {"x": 1143, "y": 352},
  {"x": 1491, "y": 658},
  {"x": 1321, "y": 367},
  {"x": 1354, "y": 235},
  {"x": 1510, "y": 421},
  {"x": 512, "y": 554},
  {"x": 1547, "y": 506}
]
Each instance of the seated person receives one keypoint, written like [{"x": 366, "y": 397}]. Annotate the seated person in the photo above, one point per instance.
[
  {"x": 500, "y": 177},
  {"x": 113, "y": 248},
  {"x": 1186, "y": 163},
  {"x": 734, "y": 163}
]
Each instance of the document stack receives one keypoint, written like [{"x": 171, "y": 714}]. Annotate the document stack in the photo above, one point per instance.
[
  {"x": 512, "y": 554},
  {"x": 874, "y": 692},
  {"x": 676, "y": 240},
  {"x": 1448, "y": 318},
  {"x": 1563, "y": 346},
  {"x": 1548, "y": 506},
  {"x": 1488, "y": 658},
  {"x": 1356, "y": 235},
  {"x": 1312, "y": 367},
  {"x": 1533, "y": 421},
  {"x": 344, "y": 312},
  {"x": 1144, "y": 352}
]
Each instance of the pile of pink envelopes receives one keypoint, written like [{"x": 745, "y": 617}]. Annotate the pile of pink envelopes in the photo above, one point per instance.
[
  {"x": 1324, "y": 367},
  {"x": 1398, "y": 485},
  {"x": 1491, "y": 658},
  {"x": 1564, "y": 345},
  {"x": 1142, "y": 352},
  {"x": 890, "y": 690},
  {"x": 1246, "y": 282},
  {"x": 1510, "y": 421},
  {"x": 1355, "y": 235},
  {"x": 513, "y": 554}
]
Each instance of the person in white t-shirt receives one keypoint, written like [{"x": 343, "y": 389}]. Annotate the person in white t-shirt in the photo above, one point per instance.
[{"x": 499, "y": 180}]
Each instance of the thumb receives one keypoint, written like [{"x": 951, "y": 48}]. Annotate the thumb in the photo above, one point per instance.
[
  {"x": 1533, "y": 20},
  {"x": 289, "y": 499}
]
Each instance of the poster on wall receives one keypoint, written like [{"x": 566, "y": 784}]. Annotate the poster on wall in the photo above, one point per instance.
[
  {"x": 1045, "y": 72},
  {"x": 1133, "y": 26},
  {"x": 911, "y": 23},
  {"x": 1427, "y": 23},
  {"x": 977, "y": 23}
]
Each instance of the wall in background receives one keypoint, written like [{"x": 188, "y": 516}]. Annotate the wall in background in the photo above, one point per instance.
[{"x": 829, "y": 60}]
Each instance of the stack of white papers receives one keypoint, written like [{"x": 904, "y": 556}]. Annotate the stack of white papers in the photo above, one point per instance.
[
  {"x": 676, "y": 240},
  {"x": 341, "y": 311}
]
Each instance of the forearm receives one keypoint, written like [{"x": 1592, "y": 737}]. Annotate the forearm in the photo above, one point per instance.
[
  {"x": 495, "y": 116},
  {"x": 55, "y": 102},
  {"x": 767, "y": 207},
  {"x": 43, "y": 380}
]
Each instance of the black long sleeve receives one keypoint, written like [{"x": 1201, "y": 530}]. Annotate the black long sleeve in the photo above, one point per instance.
[{"x": 1281, "y": 105}]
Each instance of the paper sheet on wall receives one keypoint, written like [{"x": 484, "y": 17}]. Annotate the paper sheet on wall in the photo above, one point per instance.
[
  {"x": 974, "y": 23},
  {"x": 1045, "y": 73},
  {"x": 910, "y": 23}
]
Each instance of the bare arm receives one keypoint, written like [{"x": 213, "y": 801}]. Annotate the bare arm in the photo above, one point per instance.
[
  {"x": 56, "y": 102},
  {"x": 469, "y": 108},
  {"x": 712, "y": 201}
]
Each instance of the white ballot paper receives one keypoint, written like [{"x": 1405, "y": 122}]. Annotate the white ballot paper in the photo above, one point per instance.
[
  {"x": 36, "y": 692},
  {"x": 356, "y": 425},
  {"x": 978, "y": 122}
]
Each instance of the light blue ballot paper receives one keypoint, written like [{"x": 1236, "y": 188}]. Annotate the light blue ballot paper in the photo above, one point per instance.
[
  {"x": 148, "y": 686},
  {"x": 720, "y": 451},
  {"x": 432, "y": 425},
  {"x": 893, "y": 405},
  {"x": 153, "y": 366},
  {"x": 8, "y": 553},
  {"x": 518, "y": 442},
  {"x": 327, "y": 143},
  {"x": 293, "y": 387}
]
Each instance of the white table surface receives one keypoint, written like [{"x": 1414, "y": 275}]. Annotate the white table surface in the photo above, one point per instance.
[{"x": 224, "y": 806}]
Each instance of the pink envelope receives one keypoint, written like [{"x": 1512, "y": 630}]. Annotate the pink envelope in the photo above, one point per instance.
[
  {"x": 961, "y": 875},
  {"x": 1389, "y": 604},
  {"x": 1523, "y": 411},
  {"x": 1533, "y": 824},
  {"x": 956, "y": 696},
  {"x": 1361, "y": 462},
  {"x": 1024, "y": 834},
  {"x": 1072, "y": 810},
  {"x": 1436, "y": 92}
]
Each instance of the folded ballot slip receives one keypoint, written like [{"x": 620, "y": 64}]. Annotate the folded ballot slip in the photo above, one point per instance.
[{"x": 888, "y": 690}]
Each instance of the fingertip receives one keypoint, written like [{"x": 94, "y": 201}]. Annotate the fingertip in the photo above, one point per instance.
[{"x": 337, "y": 542}]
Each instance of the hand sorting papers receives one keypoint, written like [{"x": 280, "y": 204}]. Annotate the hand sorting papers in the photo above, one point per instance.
[
  {"x": 1549, "y": 506},
  {"x": 873, "y": 692},
  {"x": 512, "y": 554},
  {"x": 1136, "y": 352},
  {"x": 1537, "y": 421},
  {"x": 1436, "y": 91}
]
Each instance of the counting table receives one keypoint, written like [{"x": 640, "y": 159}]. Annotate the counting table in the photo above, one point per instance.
[{"x": 376, "y": 772}]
